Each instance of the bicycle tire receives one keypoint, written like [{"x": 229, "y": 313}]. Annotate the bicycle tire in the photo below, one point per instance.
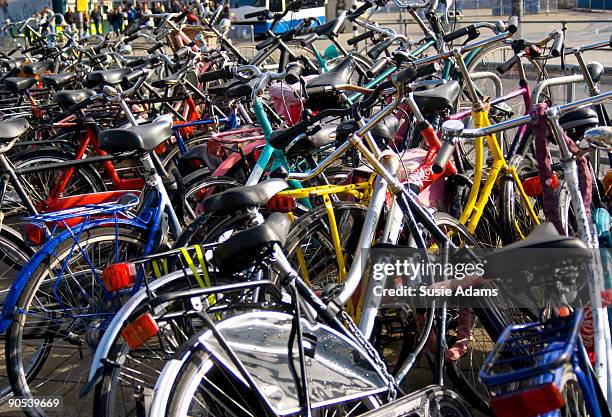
[
  {"x": 109, "y": 392},
  {"x": 19, "y": 376}
]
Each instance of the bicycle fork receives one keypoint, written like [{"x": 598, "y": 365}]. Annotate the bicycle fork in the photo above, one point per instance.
[{"x": 601, "y": 328}]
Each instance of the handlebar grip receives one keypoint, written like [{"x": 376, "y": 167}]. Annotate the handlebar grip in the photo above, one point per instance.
[
  {"x": 443, "y": 156},
  {"x": 406, "y": 75},
  {"x": 221, "y": 74},
  {"x": 155, "y": 47},
  {"x": 375, "y": 52},
  {"x": 610, "y": 42},
  {"x": 459, "y": 33},
  {"x": 360, "y": 38},
  {"x": 134, "y": 75},
  {"x": 425, "y": 70},
  {"x": 377, "y": 67},
  {"x": 38, "y": 51},
  {"x": 131, "y": 38},
  {"x": 506, "y": 66},
  {"x": 30, "y": 49},
  {"x": 252, "y": 14},
  {"x": 308, "y": 40},
  {"x": 264, "y": 44},
  {"x": 316, "y": 90},
  {"x": 512, "y": 25},
  {"x": 182, "y": 52},
  {"x": 181, "y": 16},
  {"x": 131, "y": 30},
  {"x": 359, "y": 11},
  {"x": 325, "y": 28},
  {"x": 557, "y": 46},
  {"x": 294, "y": 72},
  {"x": 286, "y": 135}
]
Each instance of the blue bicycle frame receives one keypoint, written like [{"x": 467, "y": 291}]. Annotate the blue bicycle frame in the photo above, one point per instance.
[{"x": 148, "y": 219}]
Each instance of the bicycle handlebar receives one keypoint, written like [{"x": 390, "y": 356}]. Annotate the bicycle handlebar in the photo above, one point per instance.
[
  {"x": 359, "y": 38},
  {"x": 557, "y": 46},
  {"x": 443, "y": 156}
]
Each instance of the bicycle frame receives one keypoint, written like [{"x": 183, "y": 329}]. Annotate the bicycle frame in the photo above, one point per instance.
[
  {"x": 595, "y": 277},
  {"x": 149, "y": 219}
]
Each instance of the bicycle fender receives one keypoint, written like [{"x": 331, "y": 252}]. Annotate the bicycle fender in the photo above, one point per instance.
[
  {"x": 115, "y": 326},
  {"x": 10, "y": 302}
]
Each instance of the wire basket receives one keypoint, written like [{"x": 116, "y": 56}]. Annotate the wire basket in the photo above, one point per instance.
[{"x": 528, "y": 354}]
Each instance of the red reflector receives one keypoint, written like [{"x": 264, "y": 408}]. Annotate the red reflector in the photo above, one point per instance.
[
  {"x": 529, "y": 402},
  {"x": 119, "y": 276},
  {"x": 533, "y": 188},
  {"x": 34, "y": 234},
  {"x": 139, "y": 331},
  {"x": 281, "y": 203}
]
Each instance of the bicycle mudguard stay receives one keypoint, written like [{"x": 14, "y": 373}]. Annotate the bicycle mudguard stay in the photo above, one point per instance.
[
  {"x": 116, "y": 324},
  {"x": 8, "y": 307}
]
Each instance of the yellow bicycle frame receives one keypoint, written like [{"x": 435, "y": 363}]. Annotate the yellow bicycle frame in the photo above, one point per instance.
[{"x": 477, "y": 199}]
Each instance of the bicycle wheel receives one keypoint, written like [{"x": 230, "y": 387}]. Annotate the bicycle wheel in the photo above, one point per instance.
[
  {"x": 61, "y": 314},
  {"x": 515, "y": 219},
  {"x": 203, "y": 388},
  {"x": 487, "y": 233},
  {"x": 38, "y": 185},
  {"x": 123, "y": 389},
  {"x": 310, "y": 246},
  {"x": 14, "y": 254}
]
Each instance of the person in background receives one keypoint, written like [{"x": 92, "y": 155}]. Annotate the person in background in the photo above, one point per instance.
[
  {"x": 131, "y": 14},
  {"x": 86, "y": 21},
  {"x": 176, "y": 7},
  {"x": 78, "y": 20},
  {"x": 69, "y": 18},
  {"x": 96, "y": 18},
  {"x": 48, "y": 21},
  {"x": 114, "y": 19}
]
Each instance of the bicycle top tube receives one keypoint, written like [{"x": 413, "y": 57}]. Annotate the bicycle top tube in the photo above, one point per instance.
[{"x": 516, "y": 122}]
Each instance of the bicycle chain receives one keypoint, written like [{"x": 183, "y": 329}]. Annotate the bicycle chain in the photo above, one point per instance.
[{"x": 372, "y": 352}]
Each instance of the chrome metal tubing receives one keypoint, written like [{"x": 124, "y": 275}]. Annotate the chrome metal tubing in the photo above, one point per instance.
[{"x": 569, "y": 79}]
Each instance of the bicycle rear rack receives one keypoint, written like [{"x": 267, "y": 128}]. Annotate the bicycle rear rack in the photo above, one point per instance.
[{"x": 530, "y": 351}]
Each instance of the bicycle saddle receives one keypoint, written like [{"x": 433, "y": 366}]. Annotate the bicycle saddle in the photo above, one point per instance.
[
  {"x": 57, "y": 80},
  {"x": 37, "y": 68},
  {"x": 240, "y": 198},
  {"x": 144, "y": 137},
  {"x": 68, "y": 98},
  {"x": 340, "y": 74},
  {"x": 233, "y": 89},
  {"x": 11, "y": 129},
  {"x": 326, "y": 135},
  {"x": 383, "y": 132},
  {"x": 241, "y": 251},
  {"x": 19, "y": 83},
  {"x": 442, "y": 97},
  {"x": 522, "y": 256},
  {"x": 111, "y": 77}
]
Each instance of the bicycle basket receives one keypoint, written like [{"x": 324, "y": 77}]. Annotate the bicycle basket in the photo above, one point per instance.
[{"x": 522, "y": 369}]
